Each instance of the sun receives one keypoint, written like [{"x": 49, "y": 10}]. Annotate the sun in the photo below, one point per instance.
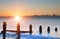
[{"x": 17, "y": 18}]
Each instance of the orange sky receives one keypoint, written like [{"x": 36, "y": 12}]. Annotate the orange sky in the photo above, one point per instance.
[{"x": 29, "y": 7}]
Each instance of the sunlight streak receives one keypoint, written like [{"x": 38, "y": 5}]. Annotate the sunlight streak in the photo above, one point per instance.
[{"x": 17, "y": 18}]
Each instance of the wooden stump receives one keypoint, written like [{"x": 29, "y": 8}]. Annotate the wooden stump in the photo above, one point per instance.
[
  {"x": 30, "y": 29},
  {"x": 4, "y": 30},
  {"x": 40, "y": 29},
  {"x": 18, "y": 31}
]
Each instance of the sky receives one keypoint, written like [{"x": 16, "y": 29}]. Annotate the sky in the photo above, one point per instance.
[{"x": 29, "y": 7}]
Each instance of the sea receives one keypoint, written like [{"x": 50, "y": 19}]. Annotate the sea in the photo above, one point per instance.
[{"x": 24, "y": 22}]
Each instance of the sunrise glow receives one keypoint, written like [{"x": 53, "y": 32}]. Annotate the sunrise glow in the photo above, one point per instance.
[{"x": 17, "y": 18}]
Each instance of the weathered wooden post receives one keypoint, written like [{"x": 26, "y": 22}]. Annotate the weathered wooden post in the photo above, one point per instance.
[
  {"x": 40, "y": 29},
  {"x": 30, "y": 29},
  {"x": 48, "y": 29},
  {"x": 56, "y": 29},
  {"x": 4, "y": 30},
  {"x": 18, "y": 31}
]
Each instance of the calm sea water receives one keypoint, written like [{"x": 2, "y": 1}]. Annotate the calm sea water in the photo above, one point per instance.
[{"x": 36, "y": 22}]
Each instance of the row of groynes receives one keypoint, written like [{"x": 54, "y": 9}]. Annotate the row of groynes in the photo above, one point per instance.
[{"x": 18, "y": 30}]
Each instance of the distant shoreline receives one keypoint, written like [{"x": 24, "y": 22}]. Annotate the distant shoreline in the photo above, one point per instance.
[{"x": 32, "y": 16}]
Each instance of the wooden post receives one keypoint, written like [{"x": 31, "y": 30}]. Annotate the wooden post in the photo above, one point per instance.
[
  {"x": 4, "y": 30},
  {"x": 30, "y": 29},
  {"x": 18, "y": 31},
  {"x": 40, "y": 29},
  {"x": 48, "y": 29},
  {"x": 56, "y": 29}
]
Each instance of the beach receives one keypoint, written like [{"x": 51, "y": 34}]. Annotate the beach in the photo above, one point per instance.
[{"x": 36, "y": 22}]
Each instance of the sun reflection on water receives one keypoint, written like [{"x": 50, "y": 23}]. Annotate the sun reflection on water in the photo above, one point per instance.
[{"x": 17, "y": 18}]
